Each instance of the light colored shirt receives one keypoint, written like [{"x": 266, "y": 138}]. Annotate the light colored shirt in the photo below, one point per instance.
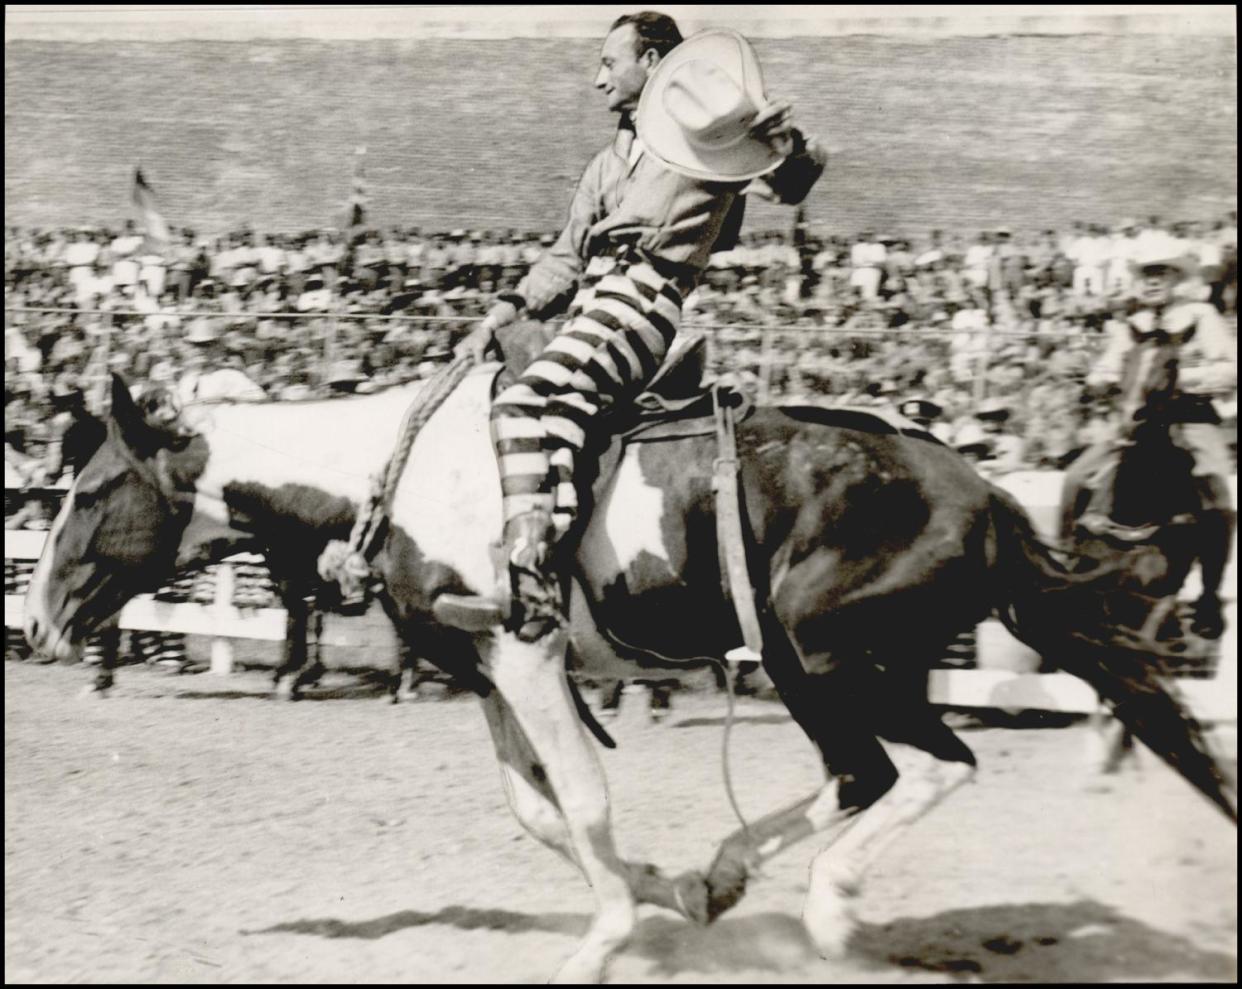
[
  {"x": 1208, "y": 360},
  {"x": 627, "y": 197}
]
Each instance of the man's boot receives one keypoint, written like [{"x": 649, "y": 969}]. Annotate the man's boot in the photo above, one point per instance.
[
  {"x": 535, "y": 593},
  {"x": 527, "y": 599}
]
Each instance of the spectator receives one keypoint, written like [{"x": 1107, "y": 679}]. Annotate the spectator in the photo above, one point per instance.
[{"x": 867, "y": 263}]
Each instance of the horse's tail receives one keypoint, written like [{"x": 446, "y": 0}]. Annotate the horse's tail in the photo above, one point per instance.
[{"x": 1062, "y": 615}]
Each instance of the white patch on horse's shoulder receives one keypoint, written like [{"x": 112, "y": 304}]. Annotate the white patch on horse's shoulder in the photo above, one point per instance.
[
  {"x": 632, "y": 511},
  {"x": 448, "y": 501}
]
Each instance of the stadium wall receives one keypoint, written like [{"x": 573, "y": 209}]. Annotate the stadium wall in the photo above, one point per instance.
[{"x": 956, "y": 132}]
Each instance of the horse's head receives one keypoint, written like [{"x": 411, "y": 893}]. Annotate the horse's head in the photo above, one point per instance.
[
  {"x": 1153, "y": 385},
  {"x": 119, "y": 529}
]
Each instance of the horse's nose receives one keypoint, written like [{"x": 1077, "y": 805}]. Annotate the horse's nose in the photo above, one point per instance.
[{"x": 32, "y": 628}]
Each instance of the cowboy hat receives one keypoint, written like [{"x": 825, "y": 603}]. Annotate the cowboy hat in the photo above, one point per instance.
[
  {"x": 920, "y": 408},
  {"x": 993, "y": 408},
  {"x": 971, "y": 439},
  {"x": 1164, "y": 252},
  {"x": 346, "y": 372},
  {"x": 696, "y": 110},
  {"x": 203, "y": 330}
]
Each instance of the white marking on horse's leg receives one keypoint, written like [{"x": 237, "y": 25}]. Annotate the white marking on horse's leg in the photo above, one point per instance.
[
  {"x": 529, "y": 797},
  {"x": 751, "y": 846},
  {"x": 531, "y": 678},
  {"x": 837, "y": 871},
  {"x": 532, "y": 801}
]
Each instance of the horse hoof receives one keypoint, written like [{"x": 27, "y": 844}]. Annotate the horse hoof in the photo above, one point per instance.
[
  {"x": 829, "y": 920},
  {"x": 726, "y": 882},
  {"x": 690, "y": 892}
]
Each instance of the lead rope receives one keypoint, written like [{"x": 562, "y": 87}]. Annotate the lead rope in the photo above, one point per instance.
[
  {"x": 349, "y": 563},
  {"x": 730, "y": 703}
]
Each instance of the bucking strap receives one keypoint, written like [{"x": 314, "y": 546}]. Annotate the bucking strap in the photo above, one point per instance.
[{"x": 730, "y": 539}]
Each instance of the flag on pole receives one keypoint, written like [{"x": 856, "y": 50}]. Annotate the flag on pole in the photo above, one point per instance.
[
  {"x": 356, "y": 212},
  {"x": 158, "y": 238}
]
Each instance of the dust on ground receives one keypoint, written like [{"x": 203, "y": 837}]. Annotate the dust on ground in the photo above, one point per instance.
[{"x": 188, "y": 829}]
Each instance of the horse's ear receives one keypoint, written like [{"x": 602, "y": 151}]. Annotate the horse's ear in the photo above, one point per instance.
[
  {"x": 124, "y": 409},
  {"x": 130, "y": 421}
]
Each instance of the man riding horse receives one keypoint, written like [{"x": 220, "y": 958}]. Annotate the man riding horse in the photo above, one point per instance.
[
  {"x": 696, "y": 134},
  {"x": 1206, "y": 365}
]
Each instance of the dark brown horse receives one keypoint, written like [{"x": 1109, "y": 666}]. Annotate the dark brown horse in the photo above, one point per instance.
[
  {"x": 1164, "y": 519},
  {"x": 870, "y": 550}
]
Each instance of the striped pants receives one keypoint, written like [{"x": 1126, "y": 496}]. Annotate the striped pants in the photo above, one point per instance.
[{"x": 611, "y": 348}]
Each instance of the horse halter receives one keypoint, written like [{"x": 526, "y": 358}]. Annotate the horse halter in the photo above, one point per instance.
[{"x": 154, "y": 472}]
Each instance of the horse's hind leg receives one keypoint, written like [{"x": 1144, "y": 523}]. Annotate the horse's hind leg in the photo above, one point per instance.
[
  {"x": 940, "y": 763},
  {"x": 531, "y": 679},
  {"x": 860, "y": 772}
]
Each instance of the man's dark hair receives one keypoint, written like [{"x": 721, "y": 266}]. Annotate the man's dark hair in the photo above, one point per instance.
[{"x": 654, "y": 30}]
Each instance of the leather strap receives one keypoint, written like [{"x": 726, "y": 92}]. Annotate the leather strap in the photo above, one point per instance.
[{"x": 730, "y": 541}]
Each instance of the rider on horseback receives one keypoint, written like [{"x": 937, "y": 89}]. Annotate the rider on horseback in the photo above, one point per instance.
[
  {"x": 1207, "y": 365},
  {"x": 652, "y": 206}
]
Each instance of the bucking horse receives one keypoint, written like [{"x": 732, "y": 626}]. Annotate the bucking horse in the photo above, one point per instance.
[{"x": 870, "y": 548}]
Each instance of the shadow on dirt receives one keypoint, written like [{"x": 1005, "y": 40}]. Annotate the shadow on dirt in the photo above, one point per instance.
[
  {"x": 1046, "y": 942},
  {"x": 463, "y": 918},
  {"x": 741, "y": 719}
]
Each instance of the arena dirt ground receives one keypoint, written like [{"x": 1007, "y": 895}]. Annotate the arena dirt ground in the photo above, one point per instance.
[{"x": 186, "y": 829}]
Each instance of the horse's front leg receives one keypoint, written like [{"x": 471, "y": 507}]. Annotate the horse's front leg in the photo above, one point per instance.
[
  {"x": 290, "y": 674},
  {"x": 532, "y": 682},
  {"x": 534, "y": 804},
  {"x": 105, "y": 673}
]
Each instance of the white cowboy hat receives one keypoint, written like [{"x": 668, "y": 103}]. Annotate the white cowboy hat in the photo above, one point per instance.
[
  {"x": 1166, "y": 252},
  {"x": 203, "y": 330},
  {"x": 695, "y": 112},
  {"x": 345, "y": 372},
  {"x": 972, "y": 437}
]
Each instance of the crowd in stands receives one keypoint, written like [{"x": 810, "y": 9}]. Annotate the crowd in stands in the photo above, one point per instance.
[
  {"x": 990, "y": 335},
  {"x": 984, "y": 340}
]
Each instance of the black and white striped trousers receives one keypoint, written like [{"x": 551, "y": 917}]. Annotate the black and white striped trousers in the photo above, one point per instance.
[{"x": 609, "y": 351}]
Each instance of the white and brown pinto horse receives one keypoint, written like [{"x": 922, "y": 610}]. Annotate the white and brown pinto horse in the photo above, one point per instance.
[{"x": 870, "y": 550}]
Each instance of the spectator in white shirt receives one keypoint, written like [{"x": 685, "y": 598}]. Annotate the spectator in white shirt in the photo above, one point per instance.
[
  {"x": 124, "y": 256},
  {"x": 80, "y": 257},
  {"x": 867, "y": 258},
  {"x": 978, "y": 259}
]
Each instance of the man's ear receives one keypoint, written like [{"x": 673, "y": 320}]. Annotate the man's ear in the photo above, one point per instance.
[{"x": 649, "y": 59}]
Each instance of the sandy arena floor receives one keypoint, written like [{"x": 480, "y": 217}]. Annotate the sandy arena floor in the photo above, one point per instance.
[{"x": 187, "y": 829}]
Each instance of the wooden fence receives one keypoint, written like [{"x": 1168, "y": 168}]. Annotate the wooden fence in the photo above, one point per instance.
[{"x": 1004, "y": 678}]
